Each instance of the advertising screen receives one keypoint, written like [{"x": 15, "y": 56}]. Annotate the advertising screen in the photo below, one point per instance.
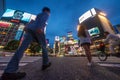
[
  {"x": 18, "y": 35},
  {"x": 94, "y": 31},
  {"x": 11, "y": 14}
]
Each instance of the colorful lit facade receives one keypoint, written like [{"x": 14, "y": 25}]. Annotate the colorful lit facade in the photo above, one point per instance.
[
  {"x": 12, "y": 24},
  {"x": 96, "y": 22}
]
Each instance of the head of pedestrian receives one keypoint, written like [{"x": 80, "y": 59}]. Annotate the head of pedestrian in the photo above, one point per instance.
[
  {"x": 106, "y": 33},
  {"x": 47, "y": 10}
]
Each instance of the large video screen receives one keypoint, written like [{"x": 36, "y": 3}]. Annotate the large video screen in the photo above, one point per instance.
[
  {"x": 94, "y": 31},
  {"x": 16, "y": 14}
]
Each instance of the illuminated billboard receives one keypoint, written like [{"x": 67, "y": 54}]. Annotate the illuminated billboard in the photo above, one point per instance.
[
  {"x": 19, "y": 32},
  {"x": 5, "y": 24},
  {"x": 87, "y": 15},
  {"x": 12, "y": 15},
  {"x": 94, "y": 31}
]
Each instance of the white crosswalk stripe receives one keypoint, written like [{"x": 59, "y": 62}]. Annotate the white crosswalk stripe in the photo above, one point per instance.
[
  {"x": 25, "y": 60},
  {"x": 5, "y": 64},
  {"x": 21, "y": 64},
  {"x": 109, "y": 65}
]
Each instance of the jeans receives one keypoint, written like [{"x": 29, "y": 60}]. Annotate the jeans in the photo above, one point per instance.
[{"x": 13, "y": 65}]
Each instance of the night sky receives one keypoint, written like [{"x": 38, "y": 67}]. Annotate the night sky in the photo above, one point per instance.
[{"x": 65, "y": 13}]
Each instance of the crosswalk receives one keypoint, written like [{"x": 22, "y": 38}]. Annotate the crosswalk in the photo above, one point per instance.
[
  {"x": 3, "y": 65},
  {"x": 110, "y": 62},
  {"x": 25, "y": 60}
]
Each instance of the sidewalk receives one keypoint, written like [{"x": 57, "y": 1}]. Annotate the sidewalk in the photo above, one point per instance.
[{"x": 68, "y": 68}]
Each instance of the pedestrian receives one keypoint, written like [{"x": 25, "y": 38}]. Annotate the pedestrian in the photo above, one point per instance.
[
  {"x": 85, "y": 42},
  {"x": 113, "y": 40},
  {"x": 33, "y": 31}
]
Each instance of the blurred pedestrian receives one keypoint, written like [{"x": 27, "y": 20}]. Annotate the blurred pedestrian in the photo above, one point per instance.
[
  {"x": 85, "y": 42},
  {"x": 34, "y": 31},
  {"x": 113, "y": 40}
]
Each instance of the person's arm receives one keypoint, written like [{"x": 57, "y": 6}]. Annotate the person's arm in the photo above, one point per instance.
[{"x": 107, "y": 39}]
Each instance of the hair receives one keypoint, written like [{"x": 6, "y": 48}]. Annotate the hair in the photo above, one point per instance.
[
  {"x": 81, "y": 31},
  {"x": 106, "y": 32},
  {"x": 18, "y": 11},
  {"x": 46, "y": 9}
]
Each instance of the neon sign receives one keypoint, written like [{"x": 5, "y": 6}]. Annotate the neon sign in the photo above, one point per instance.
[{"x": 5, "y": 24}]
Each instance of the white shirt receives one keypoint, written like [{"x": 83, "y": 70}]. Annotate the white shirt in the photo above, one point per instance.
[{"x": 112, "y": 38}]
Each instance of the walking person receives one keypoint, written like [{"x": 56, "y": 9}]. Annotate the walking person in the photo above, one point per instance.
[
  {"x": 113, "y": 40},
  {"x": 85, "y": 42},
  {"x": 34, "y": 31}
]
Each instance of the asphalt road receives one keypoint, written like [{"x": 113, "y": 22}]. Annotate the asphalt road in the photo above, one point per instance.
[
  {"x": 73, "y": 68},
  {"x": 67, "y": 68}
]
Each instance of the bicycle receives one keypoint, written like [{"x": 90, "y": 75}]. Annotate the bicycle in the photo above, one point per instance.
[{"x": 103, "y": 55}]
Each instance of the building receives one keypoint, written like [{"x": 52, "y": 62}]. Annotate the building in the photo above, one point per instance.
[
  {"x": 2, "y": 7},
  {"x": 117, "y": 28},
  {"x": 96, "y": 22},
  {"x": 12, "y": 24},
  {"x": 7, "y": 32}
]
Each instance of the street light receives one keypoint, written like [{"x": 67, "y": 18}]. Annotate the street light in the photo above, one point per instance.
[
  {"x": 102, "y": 13},
  {"x": 78, "y": 26}
]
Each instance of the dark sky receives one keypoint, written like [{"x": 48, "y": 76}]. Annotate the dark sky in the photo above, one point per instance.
[{"x": 65, "y": 13}]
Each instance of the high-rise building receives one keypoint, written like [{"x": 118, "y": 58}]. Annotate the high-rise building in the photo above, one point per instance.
[
  {"x": 2, "y": 7},
  {"x": 12, "y": 25},
  {"x": 7, "y": 32},
  {"x": 69, "y": 35},
  {"x": 96, "y": 22}
]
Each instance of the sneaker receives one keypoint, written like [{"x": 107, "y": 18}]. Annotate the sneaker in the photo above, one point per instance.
[
  {"x": 13, "y": 76},
  {"x": 44, "y": 67}
]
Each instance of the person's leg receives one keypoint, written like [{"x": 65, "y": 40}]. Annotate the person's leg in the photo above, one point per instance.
[
  {"x": 87, "y": 52},
  {"x": 45, "y": 61},
  {"x": 42, "y": 41},
  {"x": 13, "y": 65}
]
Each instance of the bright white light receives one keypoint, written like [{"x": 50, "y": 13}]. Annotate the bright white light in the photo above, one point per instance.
[
  {"x": 85, "y": 16},
  {"x": 33, "y": 17},
  {"x": 93, "y": 11},
  {"x": 102, "y": 13}
]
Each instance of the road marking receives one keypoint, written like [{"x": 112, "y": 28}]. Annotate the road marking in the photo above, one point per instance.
[
  {"x": 21, "y": 64},
  {"x": 109, "y": 65},
  {"x": 5, "y": 64}
]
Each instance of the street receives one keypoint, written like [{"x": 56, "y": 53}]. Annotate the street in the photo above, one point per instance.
[
  {"x": 32, "y": 64},
  {"x": 25, "y": 60}
]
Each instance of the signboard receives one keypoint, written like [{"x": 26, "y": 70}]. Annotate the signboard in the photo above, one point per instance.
[
  {"x": 87, "y": 15},
  {"x": 5, "y": 24},
  {"x": 16, "y": 15},
  {"x": 57, "y": 38},
  {"x": 94, "y": 31}
]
